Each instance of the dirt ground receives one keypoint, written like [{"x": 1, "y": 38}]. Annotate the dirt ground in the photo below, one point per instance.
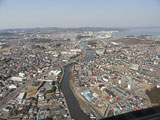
[{"x": 144, "y": 85}]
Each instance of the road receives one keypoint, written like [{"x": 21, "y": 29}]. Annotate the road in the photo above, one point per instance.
[
  {"x": 107, "y": 111},
  {"x": 13, "y": 94}
]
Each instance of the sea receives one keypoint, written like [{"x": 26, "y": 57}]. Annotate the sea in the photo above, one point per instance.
[{"x": 155, "y": 32}]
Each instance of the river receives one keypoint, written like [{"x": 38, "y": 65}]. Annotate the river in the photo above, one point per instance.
[{"x": 73, "y": 105}]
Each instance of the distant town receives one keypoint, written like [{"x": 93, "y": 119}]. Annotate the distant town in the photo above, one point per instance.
[{"x": 76, "y": 73}]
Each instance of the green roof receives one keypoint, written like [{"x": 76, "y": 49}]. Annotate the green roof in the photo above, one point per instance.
[{"x": 123, "y": 79}]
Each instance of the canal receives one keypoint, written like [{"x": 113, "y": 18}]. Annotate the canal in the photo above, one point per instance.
[{"x": 73, "y": 105}]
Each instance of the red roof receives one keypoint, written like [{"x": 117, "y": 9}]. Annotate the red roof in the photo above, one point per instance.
[
  {"x": 107, "y": 97},
  {"x": 138, "y": 108}
]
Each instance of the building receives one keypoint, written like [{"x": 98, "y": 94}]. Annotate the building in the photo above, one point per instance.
[
  {"x": 158, "y": 85},
  {"x": 21, "y": 97},
  {"x": 100, "y": 52},
  {"x": 66, "y": 60},
  {"x": 90, "y": 96},
  {"x": 18, "y": 79},
  {"x": 114, "y": 43},
  {"x": 12, "y": 86},
  {"x": 156, "y": 62},
  {"x": 131, "y": 85},
  {"x": 21, "y": 75},
  {"x": 121, "y": 81},
  {"x": 134, "y": 67},
  {"x": 75, "y": 50},
  {"x": 55, "y": 72}
]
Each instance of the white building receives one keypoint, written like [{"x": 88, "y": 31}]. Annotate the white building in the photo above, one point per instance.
[
  {"x": 134, "y": 67},
  {"x": 105, "y": 79},
  {"x": 18, "y": 79},
  {"x": 55, "y": 72},
  {"x": 156, "y": 62},
  {"x": 121, "y": 81},
  {"x": 131, "y": 85},
  {"x": 21, "y": 75},
  {"x": 68, "y": 53},
  {"x": 114, "y": 43},
  {"x": 100, "y": 52},
  {"x": 12, "y": 86},
  {"x": 75, "y": 50},
  {"x": 21, "y": 97},
  {"x": 158, "y": 85}
]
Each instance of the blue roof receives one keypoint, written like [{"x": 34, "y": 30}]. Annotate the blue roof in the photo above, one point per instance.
[
  {"x": 117, "y": 109},
  {"x": 145, "y": 103},
  {"x": 128, "y": 106},
  {"x": 85, "y": 94},
  {"x": 98, "y": 78}
]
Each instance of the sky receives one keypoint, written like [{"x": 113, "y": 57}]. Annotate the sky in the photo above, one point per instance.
[{"x": 79, "y": 13}]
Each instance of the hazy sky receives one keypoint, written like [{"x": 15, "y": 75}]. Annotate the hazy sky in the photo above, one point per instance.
[{"x": 79, "y": 13}]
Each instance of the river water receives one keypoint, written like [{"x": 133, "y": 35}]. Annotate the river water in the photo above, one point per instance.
[
  {"x": 90, "y": 51},
  {"x": 73, "y": 105}
]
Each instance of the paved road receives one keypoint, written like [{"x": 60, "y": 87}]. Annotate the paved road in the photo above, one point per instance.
[{"x": 13, "y": 94}]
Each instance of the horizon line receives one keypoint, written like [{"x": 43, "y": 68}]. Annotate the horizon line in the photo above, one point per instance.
[{"x": 77, "y": 27}]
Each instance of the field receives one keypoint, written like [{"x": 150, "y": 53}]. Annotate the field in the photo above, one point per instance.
[
  {"x": 154, "y": 95},
  {"x": 32, "y": 90},
  {"x": 5, "y": 49},
  {"x": 144, "y": 85}
]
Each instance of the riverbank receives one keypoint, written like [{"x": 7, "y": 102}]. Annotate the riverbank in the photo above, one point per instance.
[
  {"x": 74, "y": 90},
  {"x": 86, "y": 57},
  {"x": 60, "y": 80},
  {"x": 72, "y": 103},
  {"x": 71, "y": 84}
]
